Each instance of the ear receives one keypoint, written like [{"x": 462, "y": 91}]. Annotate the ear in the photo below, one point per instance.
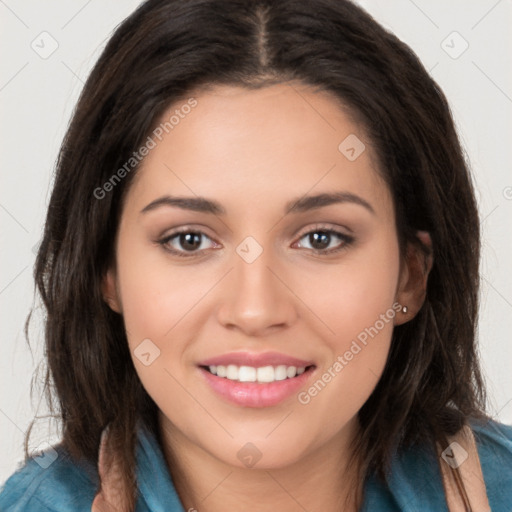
[
  {"x": 412, "y": 286},
  {"x": 110, "y": 291}
]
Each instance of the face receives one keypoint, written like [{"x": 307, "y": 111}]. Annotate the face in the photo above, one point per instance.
[{"x": 224, "y": 260}]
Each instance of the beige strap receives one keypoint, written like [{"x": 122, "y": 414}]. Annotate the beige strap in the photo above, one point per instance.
[
  {"x": 462, "y": 474},
  {"x": 110, "y": 498}
]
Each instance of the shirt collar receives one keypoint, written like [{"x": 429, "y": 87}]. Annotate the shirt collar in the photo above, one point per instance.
[{"x": 157, "y": 492}]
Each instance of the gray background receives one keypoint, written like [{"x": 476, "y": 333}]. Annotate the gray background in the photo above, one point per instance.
[{"x": 37, "y": 96}]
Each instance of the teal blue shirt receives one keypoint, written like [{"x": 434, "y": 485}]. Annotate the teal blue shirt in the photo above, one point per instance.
[{"x": 415, "y": 482}]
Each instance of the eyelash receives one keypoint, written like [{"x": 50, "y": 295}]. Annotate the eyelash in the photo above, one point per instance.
[{"x": 346, "y": 239}]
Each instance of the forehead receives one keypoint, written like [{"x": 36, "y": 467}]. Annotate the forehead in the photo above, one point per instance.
[{"x": 259, "y": 145}]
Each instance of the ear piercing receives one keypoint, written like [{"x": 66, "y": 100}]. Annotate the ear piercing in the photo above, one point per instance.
[{"x": 405, "y": 309}]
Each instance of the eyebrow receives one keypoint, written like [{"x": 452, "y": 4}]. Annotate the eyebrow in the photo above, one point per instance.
[{"x": 299, "y": 205}]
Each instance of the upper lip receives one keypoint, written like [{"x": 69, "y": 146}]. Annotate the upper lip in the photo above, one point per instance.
[{"x": 255, "y": 360}]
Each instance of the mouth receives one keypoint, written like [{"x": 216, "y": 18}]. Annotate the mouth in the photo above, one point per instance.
[{"x": 256, "y": 385}]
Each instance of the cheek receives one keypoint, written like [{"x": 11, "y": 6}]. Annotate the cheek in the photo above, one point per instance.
[
  {"x": 162, "y": 311},
  {"x": 350, "y": 296},
  {"x": 156, "y": 294},
  {"x": 355, "y": 303},
  {"x": 156, "y": 303}
]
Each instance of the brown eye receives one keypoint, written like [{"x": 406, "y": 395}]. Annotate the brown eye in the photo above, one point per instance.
[
  {"x": 320, "y": 241},
  {"x": 186, "y": 241},
  {"x": 189, "y": 241}
]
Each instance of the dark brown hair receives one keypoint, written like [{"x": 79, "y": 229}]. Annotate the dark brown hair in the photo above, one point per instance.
[{"x": 431, "y": 384}]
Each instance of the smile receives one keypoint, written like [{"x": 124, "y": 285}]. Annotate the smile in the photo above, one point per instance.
[
  {"x": 257, "y": 380},
  {"x": 263, "y": 374}
]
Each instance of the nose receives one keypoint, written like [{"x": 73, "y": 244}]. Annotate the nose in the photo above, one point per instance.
[{"x": 256, "y": 297}]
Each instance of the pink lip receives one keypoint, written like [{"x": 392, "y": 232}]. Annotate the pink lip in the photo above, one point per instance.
[
  {"x": 255, "y": 360},
  {"x": 256, "y": 394}
]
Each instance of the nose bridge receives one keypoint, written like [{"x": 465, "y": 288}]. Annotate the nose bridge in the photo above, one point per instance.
[
  {"x": 253, "y": 277},
  {"x": 257, "y": 299}
]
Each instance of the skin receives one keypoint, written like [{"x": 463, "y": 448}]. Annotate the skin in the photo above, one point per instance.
[{"x": 253, "y": 152}]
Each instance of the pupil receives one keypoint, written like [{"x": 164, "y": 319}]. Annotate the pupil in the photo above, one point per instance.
[
  {"x": 190, "y": 241},
  {"x": 319, "y": 240}
]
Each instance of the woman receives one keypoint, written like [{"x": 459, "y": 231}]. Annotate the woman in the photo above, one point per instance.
[{"x": 260, "y": 266}]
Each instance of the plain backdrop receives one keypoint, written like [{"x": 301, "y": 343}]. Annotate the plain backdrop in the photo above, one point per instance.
[{"x": 466, "y": 46}]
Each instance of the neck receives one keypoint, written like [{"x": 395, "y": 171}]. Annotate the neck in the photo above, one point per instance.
[{"x": 319, "y": 481}]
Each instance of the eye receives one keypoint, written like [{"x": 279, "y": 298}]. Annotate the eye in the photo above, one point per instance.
[
  {"x": 320, "y": 241},
  {"x": 185, "y": 241},
  {"x": 188, "y": 242}
]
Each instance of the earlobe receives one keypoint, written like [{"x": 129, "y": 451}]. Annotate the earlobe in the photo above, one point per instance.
[
  {"x": 413, "y": 278},
  {"x": 109, "y": 291}
]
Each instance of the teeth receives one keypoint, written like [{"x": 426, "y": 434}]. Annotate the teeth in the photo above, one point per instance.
[
  {"x": 251, "y": 374},
  {"x": 247, "y": 374},
  {"x": 265, "y": 374},
  {"x": 291, "y": 371},
  {"x": 232, "y": 372},
  {"x": 280, "y": 372}
]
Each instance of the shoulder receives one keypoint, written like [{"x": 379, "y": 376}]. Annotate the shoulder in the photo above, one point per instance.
[
  {"x": 494, "y": 444},
  {"x": 54, "y": 482},
  {"x": 414, "y": 482},
  {"x": 51, "y": 481}
]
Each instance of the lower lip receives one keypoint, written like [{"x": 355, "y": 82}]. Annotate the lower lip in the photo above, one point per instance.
[{"x": 255, "y": 394}]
